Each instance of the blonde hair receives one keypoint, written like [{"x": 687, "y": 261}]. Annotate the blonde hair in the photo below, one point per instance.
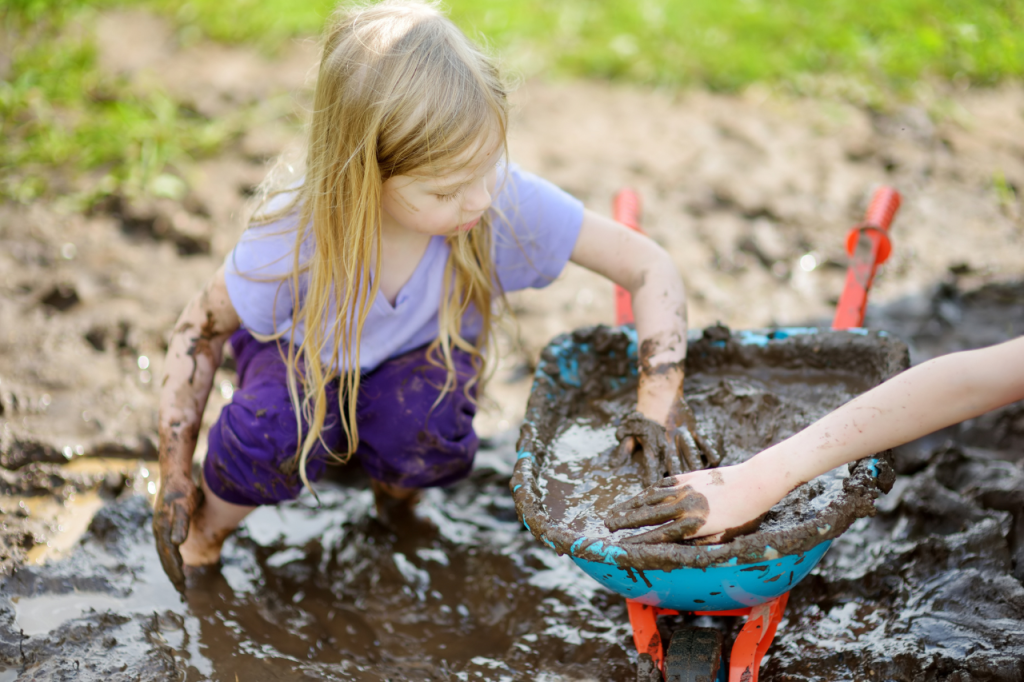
[{"x": 400, "y": 90}]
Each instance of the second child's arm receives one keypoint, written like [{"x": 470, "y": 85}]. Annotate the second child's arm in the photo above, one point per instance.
[
  {"x": 647, "y": 272},
  {"x": 193, "y": 356},
  {"x": 925, "y": 398}
]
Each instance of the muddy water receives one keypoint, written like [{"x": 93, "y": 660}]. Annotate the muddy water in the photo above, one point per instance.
[
  {"x": 321, "y": 593},
  {"x": 741, "y": 412},
  {"x": 929, "y": 589}
]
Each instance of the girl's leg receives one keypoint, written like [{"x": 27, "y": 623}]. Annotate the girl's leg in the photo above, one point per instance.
[
  {"x": 211, "y": 524},
  {"x": 392, "y": 501},
  {"x": 251, "y": 450}
]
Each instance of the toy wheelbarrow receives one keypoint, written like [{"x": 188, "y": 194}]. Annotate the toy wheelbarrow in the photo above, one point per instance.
[{"x": 750, "y": 575}]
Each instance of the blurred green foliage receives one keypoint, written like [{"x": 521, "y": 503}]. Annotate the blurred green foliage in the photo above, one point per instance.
[
  {"x": 727, "y": 45},
  {"x": 60, "y": 115},
  {"x": 58, "y": 110},
  {"x": 721, "y": 45}
]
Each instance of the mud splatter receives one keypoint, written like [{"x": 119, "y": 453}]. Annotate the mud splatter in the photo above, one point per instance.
[{"x": 201, "y": 346}]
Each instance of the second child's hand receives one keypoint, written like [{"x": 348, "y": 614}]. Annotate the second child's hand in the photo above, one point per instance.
[{"x": 696, "y": 504}]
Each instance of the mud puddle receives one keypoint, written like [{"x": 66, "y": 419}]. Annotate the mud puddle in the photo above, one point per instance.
[
  {"x": 321, "y": 593},
  {"x": 929, "y": 589}
]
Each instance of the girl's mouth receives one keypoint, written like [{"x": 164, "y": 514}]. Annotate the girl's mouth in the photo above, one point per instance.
[{"x": 466, "y": 227}]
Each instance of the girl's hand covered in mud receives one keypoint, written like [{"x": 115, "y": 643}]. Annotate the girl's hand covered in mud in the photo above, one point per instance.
[
  {"x": 718, "y": 503},
  {"x": 176, "y": 502},
  {"x": 664, "y": 451},
  {"x": 690, "y": 444}
]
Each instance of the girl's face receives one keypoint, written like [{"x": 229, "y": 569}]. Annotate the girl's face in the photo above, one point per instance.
[{"x": 441, "y": 204}]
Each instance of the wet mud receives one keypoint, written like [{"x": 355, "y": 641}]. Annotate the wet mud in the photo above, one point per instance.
[
  {"x": 746, "y": 192},
  {"x": 743, "y": 411},
  {"x": 747, "y": 391},
  {"x": 931, "y": 587},
  {"x": 928, "y": 589},
  {"x": 320, "y": 593}
]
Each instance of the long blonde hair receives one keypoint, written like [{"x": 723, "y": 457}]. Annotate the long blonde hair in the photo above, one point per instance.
[{"x": 400, "y": 89}]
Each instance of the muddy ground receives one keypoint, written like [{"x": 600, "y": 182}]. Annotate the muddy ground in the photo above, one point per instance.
[{"x": 741, "y": 189}]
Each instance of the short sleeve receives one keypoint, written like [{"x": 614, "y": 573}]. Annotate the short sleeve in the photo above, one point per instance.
[
  {"x": 536, "y": 225},
  {"x": 257, "y": 273}
]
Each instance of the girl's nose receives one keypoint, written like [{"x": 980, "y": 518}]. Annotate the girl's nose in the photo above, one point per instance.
[{"x": 477, "y": 197}]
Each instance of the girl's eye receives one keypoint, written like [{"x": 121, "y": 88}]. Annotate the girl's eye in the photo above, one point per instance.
[{"x": 449, "y": 197}]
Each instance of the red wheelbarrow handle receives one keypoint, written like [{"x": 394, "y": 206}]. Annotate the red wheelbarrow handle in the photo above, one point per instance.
[
  {"x": 869, "y": 246},
  {"x": 626, "y": 210}
]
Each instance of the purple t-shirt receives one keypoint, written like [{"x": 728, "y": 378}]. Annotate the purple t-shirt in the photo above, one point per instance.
[{"x": 530, "y": 250}]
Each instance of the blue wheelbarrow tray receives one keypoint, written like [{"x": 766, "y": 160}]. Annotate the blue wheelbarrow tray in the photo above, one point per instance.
[{"x": 587, "y": 380}]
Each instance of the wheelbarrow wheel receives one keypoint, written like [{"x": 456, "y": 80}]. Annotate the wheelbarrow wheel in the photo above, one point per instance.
[
  {"x": 646, "y": 670},
  {"x": 694, "y": 655}
]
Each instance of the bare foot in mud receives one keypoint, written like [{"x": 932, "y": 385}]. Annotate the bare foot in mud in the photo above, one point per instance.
[
  {"x": 212, "y": 523},
  {"x": 202, "y": 547}
]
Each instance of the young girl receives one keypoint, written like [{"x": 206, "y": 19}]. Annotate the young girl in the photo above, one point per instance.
[
  {"x": 359, "y": 301},
  {"x": 925, "y": 398}
]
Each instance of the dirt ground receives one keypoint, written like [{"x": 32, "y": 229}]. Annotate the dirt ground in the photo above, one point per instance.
[{"x": 752, "y": 195}]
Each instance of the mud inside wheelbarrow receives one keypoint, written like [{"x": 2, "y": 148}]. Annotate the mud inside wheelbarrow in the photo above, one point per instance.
[{"x": 748, "y": 391}]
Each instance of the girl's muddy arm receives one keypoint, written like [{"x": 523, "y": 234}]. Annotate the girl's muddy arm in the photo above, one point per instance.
[
  {"x": 643, "y": 268},
  {"x": 193, "y": 355},
  {"x": 925, "y": 398}
]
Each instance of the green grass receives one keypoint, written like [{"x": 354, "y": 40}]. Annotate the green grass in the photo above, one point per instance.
[
  {"x": 58, "y": 111},
  {"x": 61, "y": 117},
  {"x": 721, "y": 44},
  {"x": 728, "y": 45}
]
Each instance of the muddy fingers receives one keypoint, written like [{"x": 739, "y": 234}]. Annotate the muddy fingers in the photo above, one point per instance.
[
  {"x": 693, "y": 447},
  {"x": 688, "y": 450},
  {"x": 680, "y": 529},
  {"x": 658, "y": 504},
  {"x": 655, "y": 447},
  {"x": 670, "y": 462},
  {"x": 652, "y": 496},
  {"x": 711, "y": 455},
  {"x": 167, "y": 550},
  {"x": 703, "y": 448},
  {"x": 624, "y": 451}
]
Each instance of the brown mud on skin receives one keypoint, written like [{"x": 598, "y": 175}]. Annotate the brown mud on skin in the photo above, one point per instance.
[
  {"x": 744, "y": 396},
  {"x": 663, "y": 343},
  {"x": 657, "y": 505},
  {"x": 201, "y": 346},
  {"x": 647, "y": 441}
]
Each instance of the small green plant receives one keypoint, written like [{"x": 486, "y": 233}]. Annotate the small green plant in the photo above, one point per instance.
[{"x": 62, "y": 118}]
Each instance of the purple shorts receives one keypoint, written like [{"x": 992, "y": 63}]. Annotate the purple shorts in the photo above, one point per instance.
[{"x": 404, "y": 439}]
